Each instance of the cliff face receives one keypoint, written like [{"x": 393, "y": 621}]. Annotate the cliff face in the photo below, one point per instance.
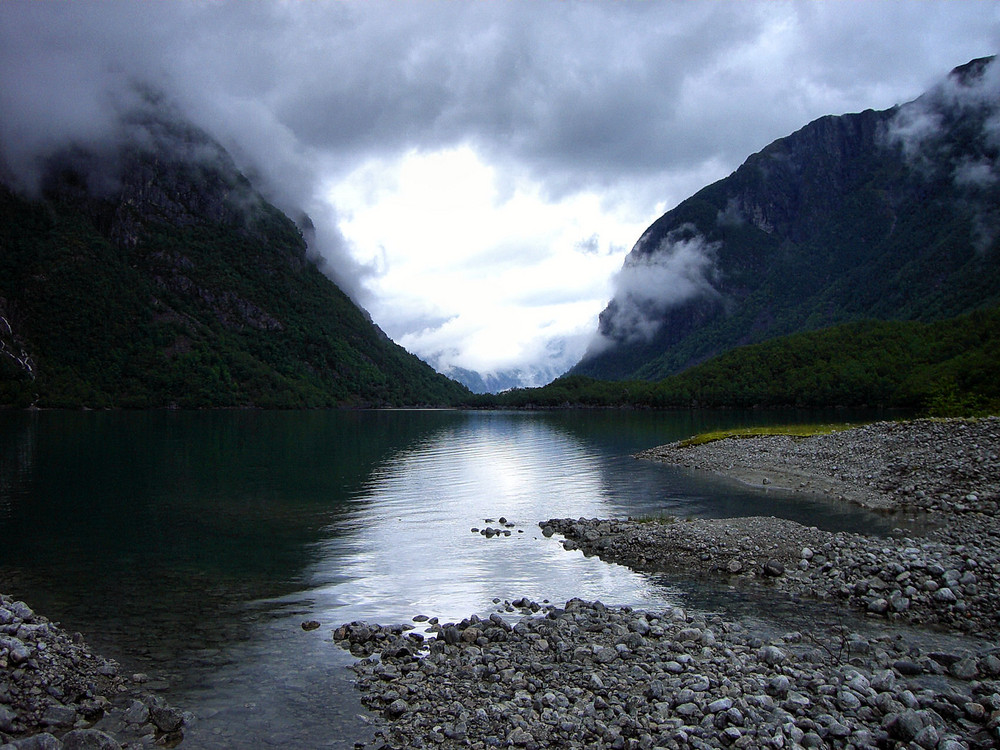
[
  {"x": 151, "y": 272},
  {"x": 890, "y": 215}
]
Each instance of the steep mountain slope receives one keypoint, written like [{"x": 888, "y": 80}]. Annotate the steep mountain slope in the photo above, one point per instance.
[
  {"x": 150, "y": 272},
  {"x": 946, "y": 368},
  {"x": 889, "y": 215}
]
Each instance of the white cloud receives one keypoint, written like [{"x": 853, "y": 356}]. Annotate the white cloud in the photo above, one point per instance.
[
  {"x": 456, "y": 157},
  {"x": 499, "y": 266},
  {"x": 679, "y": 269}
]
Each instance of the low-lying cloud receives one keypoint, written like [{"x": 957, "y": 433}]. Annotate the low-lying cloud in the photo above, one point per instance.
[
  {"x": 640, "y": 103},
  {"x": 969, "y": 99},
  {"x": 681, "y": 268}
]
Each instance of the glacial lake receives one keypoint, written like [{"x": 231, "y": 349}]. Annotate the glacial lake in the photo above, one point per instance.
[{"x": 191, "y": 546}]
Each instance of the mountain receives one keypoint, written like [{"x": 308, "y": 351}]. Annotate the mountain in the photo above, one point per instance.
[
  {"x": 945, "y": 368},
  {"x": 149, "y": 272},
  {"x": 891, "y": 215},
  {"x": 502, "y": 380}
]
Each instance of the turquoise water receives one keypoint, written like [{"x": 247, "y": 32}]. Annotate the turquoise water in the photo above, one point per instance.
[{"x": 191, "y": 545}]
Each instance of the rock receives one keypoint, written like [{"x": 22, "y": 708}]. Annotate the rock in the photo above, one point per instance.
[
  {"x": 878, "y": 606},
  {"x": 58, "y": 715},
  {"x": 907, "y": 668},
  {"x": 964, "y": 669},
  {"x": 397, "y": 708},
  {"x": 310, "y": 625},
  {"x": 605, "y": 655},
  {"x": 720, "y": 705},
  {"x": 945, "y": 596},
  {"x": 520, "y": 738},
  {"x": 772, "y": 655},
  {"x": 904, "y": 726},
  {"x": 7, "y": 718},
  {"x": 136, "y": 713},
  {"x": 774, "y": 568},
  {"x": 43, "y": 741},
  {"x": 166, "y": 718},
  {"x": 89, "y": 739}
]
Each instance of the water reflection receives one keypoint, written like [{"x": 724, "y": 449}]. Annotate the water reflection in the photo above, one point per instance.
[
  {"x": 192, "y": 545},
  {"x": 409, "y": 548}
]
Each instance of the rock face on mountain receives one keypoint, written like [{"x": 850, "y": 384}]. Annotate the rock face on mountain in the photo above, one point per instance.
[
  {"x": 150, "y": 272},
  {"x": 890, "y": 215}
]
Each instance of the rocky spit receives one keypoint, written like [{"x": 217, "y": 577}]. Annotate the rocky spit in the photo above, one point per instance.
[
  {"x": 57, "y": 694},
  {"x": 590, "y": 676}
]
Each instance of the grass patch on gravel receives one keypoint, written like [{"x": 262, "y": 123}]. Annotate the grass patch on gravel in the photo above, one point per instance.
[
  {"x": 796, "y": 430},
  {"x": 658, "y": 520}
]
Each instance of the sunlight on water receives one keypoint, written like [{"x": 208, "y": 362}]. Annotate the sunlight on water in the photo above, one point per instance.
[
  {"x": 193, "y": 545},
  {"x": 412, "y": 548}
]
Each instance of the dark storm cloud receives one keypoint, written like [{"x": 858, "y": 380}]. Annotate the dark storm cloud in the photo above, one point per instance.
[
  {"x": 594, "y": 91},
  {"x": 636, "y": 99}
]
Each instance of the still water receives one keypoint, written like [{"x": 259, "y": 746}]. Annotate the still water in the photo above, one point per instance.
[{"x": 190, "y": 546}]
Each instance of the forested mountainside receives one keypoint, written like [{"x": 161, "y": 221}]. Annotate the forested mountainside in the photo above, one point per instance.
[
  {"x": 151, "y": 273},
  {"x": 945, "y": 368},
  {"x": 891, "y": 215}
]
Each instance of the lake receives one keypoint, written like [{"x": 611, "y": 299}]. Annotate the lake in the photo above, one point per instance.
[{"x": 192, "y": 545}]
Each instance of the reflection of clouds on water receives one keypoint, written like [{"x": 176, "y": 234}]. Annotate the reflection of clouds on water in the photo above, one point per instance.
[{"x": 409, "y": 548}]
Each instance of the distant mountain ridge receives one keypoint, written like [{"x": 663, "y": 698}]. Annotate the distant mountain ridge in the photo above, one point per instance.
[
  {"x": 502, "y": 380},
  {"x": 890, "y": 214},
  {"x": 150, "y": 272}
]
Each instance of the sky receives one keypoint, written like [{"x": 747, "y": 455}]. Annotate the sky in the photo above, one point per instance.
[{"x": 476, "y": 171}]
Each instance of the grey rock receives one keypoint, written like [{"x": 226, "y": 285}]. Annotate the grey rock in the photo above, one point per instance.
[
  {"x": 907, "y": 668},
  {"x": 7, "y": 718},
  {"x": 43, "y": 741},
  {"x": 964, "y": 669},
  {"x": 397, "y": 708},
  {"x": 136, "y": 713},
  {"x": 773, "y": 655},
  {"x": 905, "y": 726},
  {"x": 945, "y": 596},
  {"x": 720, "y": 705},
  {"x": 58, "y": 715},
  {"x": 89, "y": 739},
  {"x": 774, "y": 568},
  {"x": 166, "y": 718}
]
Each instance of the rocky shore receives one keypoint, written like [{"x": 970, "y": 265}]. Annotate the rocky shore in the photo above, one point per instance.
[
  {"x": 589, "y": 676},
  {"x": 57, "y": 694}
]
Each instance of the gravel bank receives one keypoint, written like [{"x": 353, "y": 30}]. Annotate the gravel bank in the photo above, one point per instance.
[
  {"x": 947, "y": 468},
  {"x": 932, "y": 465},
  {"x": 57, "y": 694},
  {"x": 589, "y": 676}
]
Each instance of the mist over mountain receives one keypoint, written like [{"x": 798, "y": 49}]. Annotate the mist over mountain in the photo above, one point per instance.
[
  {"x": 144, "y": 269},
  {"x": 503, "y": 380},
  {"x": 891, "y": 214}
]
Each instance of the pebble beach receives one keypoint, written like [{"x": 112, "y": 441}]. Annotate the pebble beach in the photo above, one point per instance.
[
  {"x": 585, "y": 675},
  {"x": 905, "y": 655}
]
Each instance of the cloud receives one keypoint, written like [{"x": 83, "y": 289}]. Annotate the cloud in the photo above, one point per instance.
[
  {"x": 965, "y": 105},
  {"x": 679, "y": 269},
  {"x": 970, "y": 96},
  {"x": 626, "y": 107}
]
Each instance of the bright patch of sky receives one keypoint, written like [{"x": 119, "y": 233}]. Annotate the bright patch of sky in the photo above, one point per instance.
[
  {"x": 477, "y": 271},
  {"x": 476, "y": 171}
]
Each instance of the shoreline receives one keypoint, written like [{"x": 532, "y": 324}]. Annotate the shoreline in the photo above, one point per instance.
[
  {"x": 586, "y": 675},
  {"x": 590, "y": 676},
  {"x": 56, "y": 693}
]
